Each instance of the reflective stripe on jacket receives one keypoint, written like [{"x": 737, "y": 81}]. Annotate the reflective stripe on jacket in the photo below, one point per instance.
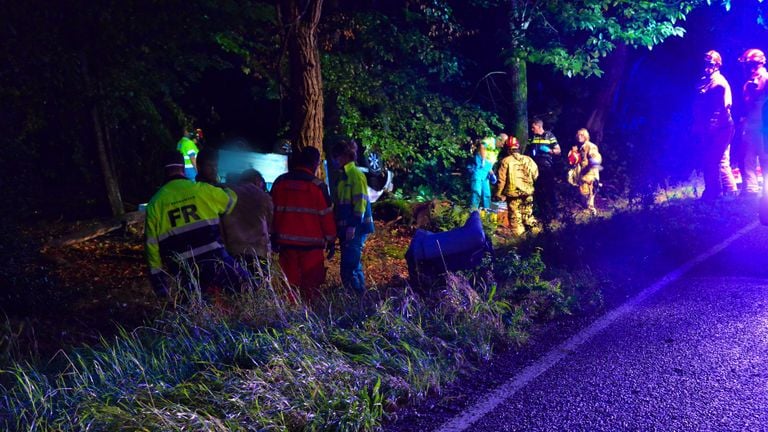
[
  {"x": 543, "y": 158},
  {"x": 183, "y": 221},
  {"x": 189, "y": 149},
  {"x": 517, "y": 174},
  {"x": 303, "y": 211},
  {"x": 353, "y": 207}
]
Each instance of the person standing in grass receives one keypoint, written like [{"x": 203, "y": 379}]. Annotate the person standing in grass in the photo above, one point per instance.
[
  {"x": 188, "y": 148},
  {"x": 543, "y": 148},
  {"x": 303, "y": 223},
  {"x": 183, "y": 234},
  {"x": 713, "y": 128},
  {"x": 517, "y": 174},
  {"x": 754, "y": 94},
  {"x": 586, "y": 162},
  {"x": 354, "y": 218},
  {"x": 246, "y": 230},
  {"x": 481, "y": 175}
]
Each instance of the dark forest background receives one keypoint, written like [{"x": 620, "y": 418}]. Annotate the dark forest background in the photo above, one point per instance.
[{"x": 413, "y": 79}]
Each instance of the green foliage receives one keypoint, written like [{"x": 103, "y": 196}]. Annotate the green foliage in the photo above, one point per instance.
[
  {"x": 448, "y": 216},
  {"x": 393, "y": 207},
  {"x": 135, "y": 61},
  {"x": 572, "y": 36},
  {"x": 384, "y": 90}
]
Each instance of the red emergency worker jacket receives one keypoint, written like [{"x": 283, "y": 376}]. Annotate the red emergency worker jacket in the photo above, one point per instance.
[{"x": 303, "y": 211}]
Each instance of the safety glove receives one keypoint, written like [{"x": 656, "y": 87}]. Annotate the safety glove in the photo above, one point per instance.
[{"x": 492, "y": 177}]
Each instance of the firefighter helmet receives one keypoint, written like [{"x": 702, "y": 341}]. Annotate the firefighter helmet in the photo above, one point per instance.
[
  {"x": 512, "y": 143},
  {"x": 713, "y": 58},
  {"x": 753, "y": 55}
]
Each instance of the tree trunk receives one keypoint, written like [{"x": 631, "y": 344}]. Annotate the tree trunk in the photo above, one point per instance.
[
  {"x": 301, "y": 19},
  {"x": 110, "y": 181},
  {"x": 616, "y": 64},
  {"x": 518, "y": 76}
]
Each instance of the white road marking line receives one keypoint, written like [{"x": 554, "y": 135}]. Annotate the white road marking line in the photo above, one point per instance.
[{"x": 474, "y": 413}]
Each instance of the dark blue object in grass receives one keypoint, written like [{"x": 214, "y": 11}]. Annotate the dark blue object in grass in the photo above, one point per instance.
[{"x": 432, "y": 254}]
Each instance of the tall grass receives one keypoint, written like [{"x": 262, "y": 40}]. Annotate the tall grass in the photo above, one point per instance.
[{"x": 256, "y": 361}]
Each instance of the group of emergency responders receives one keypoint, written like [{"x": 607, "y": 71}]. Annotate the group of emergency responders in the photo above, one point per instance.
[
  {"x": 714, "y": 127},
  {"x": 196, "y": 229},
  {"x": 522, "y": 180},
  {"x": 210, "y": 236}
]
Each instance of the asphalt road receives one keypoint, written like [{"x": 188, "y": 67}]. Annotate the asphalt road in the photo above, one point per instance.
[{"x": 692, "y": 356}]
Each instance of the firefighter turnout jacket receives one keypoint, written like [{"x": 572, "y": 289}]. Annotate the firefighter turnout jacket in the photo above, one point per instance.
[
  {"x": 517, "y": 174},
  {"x": 353, "y": 207},
  {"x": 303, "y": 215},
  {"x": 183, "y": 222}
]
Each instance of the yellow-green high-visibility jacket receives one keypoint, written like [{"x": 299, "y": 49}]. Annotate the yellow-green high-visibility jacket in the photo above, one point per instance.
[
  {"x": 189, "y": 149},
  {"x": 183, "y": 221},
  {"x": 353, "y": 207},
  {"x": 491, "y": 151}
]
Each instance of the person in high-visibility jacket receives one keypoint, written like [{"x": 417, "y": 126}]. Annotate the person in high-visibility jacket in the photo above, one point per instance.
[
  {"x": 492, "y": 150},
  {"x": 354, "y": 218},
  {"x": 481, "y": 176},
  {"x": 517, "y": 174},
  {"x": 183, "y": 236},
  {"x": 303, "y": 224},
  {"x": 188, "y": 148}
]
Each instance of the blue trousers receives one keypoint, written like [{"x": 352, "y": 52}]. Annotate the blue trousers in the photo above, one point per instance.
[
  {"x": 352, "y": 275},
  {"x": 481, "y": 194},
  {"x": 190, "y": 173}
]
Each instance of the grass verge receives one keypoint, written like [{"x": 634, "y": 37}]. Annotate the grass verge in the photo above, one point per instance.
[{"x": 257, "y": 362}]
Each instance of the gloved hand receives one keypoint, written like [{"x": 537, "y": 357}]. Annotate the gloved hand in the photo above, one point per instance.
[
  {"x": 545, "y": 149},
  {"x": 159, "y": 283},
  {"x": 330, "y": 249},
  {"x": 492, "y": 178}
]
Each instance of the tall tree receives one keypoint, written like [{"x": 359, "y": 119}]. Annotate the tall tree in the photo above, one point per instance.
[
  {"x": 394, "y": 77},
  {"x": 300, "y": 20},
  {"x": 573, "y": 35}
]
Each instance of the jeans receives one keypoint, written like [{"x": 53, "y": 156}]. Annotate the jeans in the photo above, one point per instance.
[
  {"x": 190, "y": 173},
  {"x": 352, "y": 275}
]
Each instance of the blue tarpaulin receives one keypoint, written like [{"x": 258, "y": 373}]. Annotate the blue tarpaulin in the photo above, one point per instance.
[{"x": 431, "y": 254}]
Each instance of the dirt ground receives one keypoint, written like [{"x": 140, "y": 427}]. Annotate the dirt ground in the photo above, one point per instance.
[
  {"x": 71, "y": 296},
  {"x": 87, "y": 291}
]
